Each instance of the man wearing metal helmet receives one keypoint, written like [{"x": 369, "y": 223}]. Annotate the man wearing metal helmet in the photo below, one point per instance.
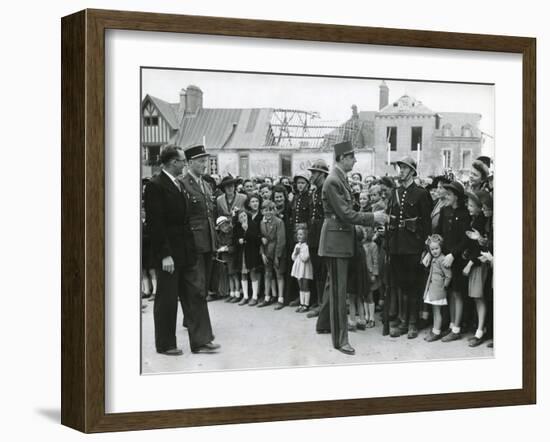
[
  {"x": 319, "y": 172},
  {"x": 337, "y": 241},
  {"x": 409, "y": 208}
]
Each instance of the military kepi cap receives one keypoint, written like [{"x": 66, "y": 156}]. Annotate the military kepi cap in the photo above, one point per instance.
[
  {"x": 409, "y": 162},
  {"x": 343, "y": 148},
  {"x": 194, "y": 152}
]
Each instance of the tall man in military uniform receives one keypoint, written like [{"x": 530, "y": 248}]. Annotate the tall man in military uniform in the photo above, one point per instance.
[
  {"x": 319, "y": 173},
  {"x": 174, "y": 258},
  {"x": 337, "y": 240},
  {"x": 409, "y": 209},
  {"x": 201, "y": 214}
]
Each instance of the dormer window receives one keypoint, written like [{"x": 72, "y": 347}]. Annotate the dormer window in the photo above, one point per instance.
[
  {"x": 447, "y": 132},
  {"x": 151, "y": 121},
  {"x": 467, "y": 131}
]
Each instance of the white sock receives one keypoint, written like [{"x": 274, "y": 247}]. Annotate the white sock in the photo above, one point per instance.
[
  {"x": 244, "y": 284},
  {"x": 370, "y": 306},
  {"x": 456, "y": 330},
  {"x": 255, "y": 286},
  {"x": 436, "y": 331},
  {"x": 307, "y": 296},
  {"x": 479, "y": 334},
  {"x": 451, "y": 326},
  {"x": 301, "y": 297},
  {"x": 281, "y": 300}
]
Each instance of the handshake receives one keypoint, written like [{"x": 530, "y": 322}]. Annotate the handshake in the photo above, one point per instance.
[{"x": 380, "y": 217}]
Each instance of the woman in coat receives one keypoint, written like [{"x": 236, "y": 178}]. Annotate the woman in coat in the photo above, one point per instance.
[
  {"x": 247, "y": 240},
  {"x": 454, "y": 221}
]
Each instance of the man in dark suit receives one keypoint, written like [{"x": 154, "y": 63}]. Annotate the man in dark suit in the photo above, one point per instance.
[
  {"x": 174, "y": 257},
  {"x": 410, "y": 209},
  {"x": 337, "y": 241},
  {"x": 201, "y": 213}
]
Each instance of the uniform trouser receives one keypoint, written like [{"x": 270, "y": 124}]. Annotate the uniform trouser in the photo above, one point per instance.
[
  {"x": 204, "y": 270},
  {"x": 406, "y": 273},
  {"x": 319, "y": 276},
  {"x": 334, "y": 300},
  {"x": 182, "y": 285}
]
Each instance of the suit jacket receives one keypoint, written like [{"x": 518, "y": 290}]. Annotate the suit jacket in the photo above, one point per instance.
[
  {"x": 223, "y": 209},
  {"x": 338, "y": 234},
  {"x": 168, "y": 222},
  {"x": 201, "y": 213}
]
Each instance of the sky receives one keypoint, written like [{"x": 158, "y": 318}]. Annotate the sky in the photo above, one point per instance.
[{"x": 332, "y": 97}]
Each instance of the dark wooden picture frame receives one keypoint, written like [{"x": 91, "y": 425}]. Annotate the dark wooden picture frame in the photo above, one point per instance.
[{"x": 83, "y": 220}]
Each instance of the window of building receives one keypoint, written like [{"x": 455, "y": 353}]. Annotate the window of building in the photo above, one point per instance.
[
  {"x": 213, "y": 164},
  {"x": 243, "y": 165},
  {"x": 447, "y": 130},
  {"x": 466, "y": 161},
  {"x": 416, "y": 138},
  {"x": 446, "y": 158},
  {"x": 151, "y": 121},
  {"x": 286, "y": 164},
  {"x": 391, "y": 137},
  {"x": 467, "y": 131},
  {"x": 153, "y": 154}
]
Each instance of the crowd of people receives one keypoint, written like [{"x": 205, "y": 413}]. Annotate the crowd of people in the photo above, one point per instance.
[{"x": 416, "y": 252}]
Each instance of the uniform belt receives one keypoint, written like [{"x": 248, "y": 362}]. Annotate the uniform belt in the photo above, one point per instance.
[{"x": 331, "y": 217}]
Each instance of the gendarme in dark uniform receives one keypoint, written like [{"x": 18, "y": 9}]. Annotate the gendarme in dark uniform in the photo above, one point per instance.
[
  {"x": 409, "y": 209},
  {"x": 337, "y": 240}
]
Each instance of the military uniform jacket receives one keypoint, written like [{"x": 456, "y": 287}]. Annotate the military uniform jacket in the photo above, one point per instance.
[
  {"x": 300, "y": 210},
  {"x": 410, "y": 220},
  {"x": 166, "y": 212},
  {"x": 316, "y": 220},
  {"x": 337, "y": 238},
  {"x": 201, "y": 213}
]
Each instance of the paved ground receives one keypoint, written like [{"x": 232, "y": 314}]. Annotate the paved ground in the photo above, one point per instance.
[{"x": 254, "y": 337}]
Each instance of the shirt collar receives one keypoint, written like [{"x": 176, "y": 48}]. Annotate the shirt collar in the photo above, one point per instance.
[
  {"x": 171, "y": 177},
  {"x": 197, "y": 178}
]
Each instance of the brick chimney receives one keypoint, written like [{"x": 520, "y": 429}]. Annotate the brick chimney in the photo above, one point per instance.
[
  {"x": 384, "y": 95},
  {"x": 182, "y": 101},
  {"x": 193, "y": 100}
]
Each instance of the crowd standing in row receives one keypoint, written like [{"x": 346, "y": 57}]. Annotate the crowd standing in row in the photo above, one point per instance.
[{"x": 331, "y": 244}]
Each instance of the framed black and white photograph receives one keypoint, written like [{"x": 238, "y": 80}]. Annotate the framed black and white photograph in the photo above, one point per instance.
[
  {"x": 268, "y": 145},
  {"x": 320, "y": 213}
]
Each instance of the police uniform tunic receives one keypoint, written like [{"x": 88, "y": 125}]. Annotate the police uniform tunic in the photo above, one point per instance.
[{"x": 410, "y": 224}]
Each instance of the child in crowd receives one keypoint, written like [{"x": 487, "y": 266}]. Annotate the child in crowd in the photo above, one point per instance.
[
  {"x": 376, "y": 201},
  {"x": 373, "y": 271},
  {"x": 226, "y": 254},
  {"x": 272, "y": 230},
  {"x": 364, "y": 205},
  {"x": 247, "y": 238},
  {"x": 358, "y": 284},
  {"x": 438, "y": 281},
  {"x": 302, "y": 269},
  {"x": 475, "y": 270}
]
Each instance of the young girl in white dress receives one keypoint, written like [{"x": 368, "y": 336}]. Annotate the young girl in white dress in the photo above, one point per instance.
[{"x": 302, "y": 269}]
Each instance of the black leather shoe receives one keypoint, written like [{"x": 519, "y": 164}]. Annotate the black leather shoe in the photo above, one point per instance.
[
  {"x": 313, "y": 313},
  {"x": 347, "y": 349},
  {"x": 207, "y": 348},
  {"x": 172, "y": 352},
  {"x": 243, "y": 301},
  {"x": 279, "y": 306},
  {"x": 294, "y": 303},
  {"x": 413, "y": 332}
]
